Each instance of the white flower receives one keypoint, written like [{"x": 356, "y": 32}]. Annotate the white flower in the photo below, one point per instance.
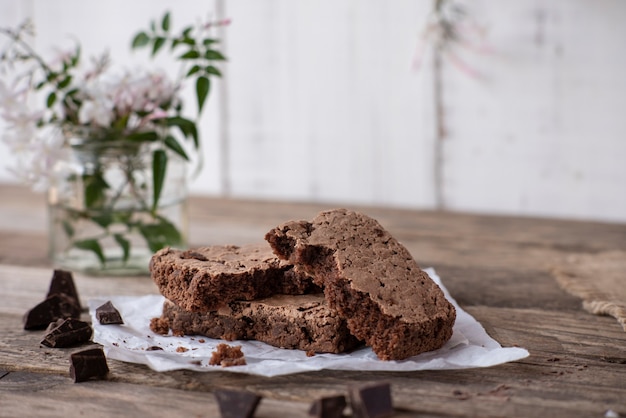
[{"x": 98, "y": 111}]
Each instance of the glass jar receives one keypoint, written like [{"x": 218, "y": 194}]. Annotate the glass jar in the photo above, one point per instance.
[{"x": 103, "y": 219}]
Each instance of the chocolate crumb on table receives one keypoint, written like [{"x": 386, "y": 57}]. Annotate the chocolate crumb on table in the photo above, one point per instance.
[
  {"x": 88, "y": 364},
  {"x": 160, "y": 326},
  {"x": 107, "y": 314},
  {"x": 236, "y": 403},
  {"x": 371, "y": 280},
  {"x": 226, "y": 356}
]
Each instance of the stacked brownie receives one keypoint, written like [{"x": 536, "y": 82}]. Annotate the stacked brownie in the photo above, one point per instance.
[
  {"x": 373, "y": 290},
  {"x": 245, "y": 293}
]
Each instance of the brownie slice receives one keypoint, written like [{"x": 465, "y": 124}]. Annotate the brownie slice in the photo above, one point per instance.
[
  {"x": 207, "y": 278},
  {"x": 297, "y": 322},
  {"x": 371, "y": 280}
]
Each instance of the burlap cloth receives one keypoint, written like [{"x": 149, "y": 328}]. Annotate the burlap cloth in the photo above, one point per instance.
[{"x": 598, "y": 279}]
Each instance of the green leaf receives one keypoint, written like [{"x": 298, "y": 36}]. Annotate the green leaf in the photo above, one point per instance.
[
  {"x": 125, "y": 244},
  {"x": 91, "y": 245},
  {"x": 76, "y": 57},
  {"x": 189, "y": 55},
  {"x": 208, "y": 42},
  {"x": 209, "y": 69},
  {"x": 68, "y": 228},
  {"x": 187, "y": 31},
  {"x": 65, "y": 82},
  {"x": 160, "y": 235},
  {"x": 159, "y": 41},
  {"x": 159, "y": 167},
  {"x": 202, "y": 91},
  {"x": 52, "y": 98},
  {"x": 104, "y": 220},
  {"x": 143, "y": 136},
  {"x": 187, "y": 127},
  {"x": 94, "y": 187},
  {"x": 165, "y": 23},
  {"x": 193, "y": 70},
  {"x": 211, "y": 54},
  {"x": 173, "y": 144},
  {"x": 140, "y": 40}
]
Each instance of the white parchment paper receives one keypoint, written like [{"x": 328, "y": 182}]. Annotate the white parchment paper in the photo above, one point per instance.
[{"x": 134, "y": 342}]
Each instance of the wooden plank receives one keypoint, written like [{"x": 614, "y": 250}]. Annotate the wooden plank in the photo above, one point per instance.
[
  {"x": 496, "y": 267},
  {"x": 56, "y": 396},
  {"x": 569, "y": 354}
]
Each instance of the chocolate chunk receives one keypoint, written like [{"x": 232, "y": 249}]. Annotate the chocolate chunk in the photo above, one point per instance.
[
  {"x": 328, "y": 407},
  {"x": 371, "y": 401},
  {"x": 62, "y": 282},
  {"x": 88, "y": 364},
  {"x": 236, "y": 404},
  {"x": 55, "y": 307},
  {"x": 66, "y": 333},
  {"x": 154, "y": 348},
  {"x": 106, "y": 314}
]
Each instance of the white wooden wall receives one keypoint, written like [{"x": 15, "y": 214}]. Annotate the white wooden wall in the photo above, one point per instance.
[{"x": 321, "y": 102}]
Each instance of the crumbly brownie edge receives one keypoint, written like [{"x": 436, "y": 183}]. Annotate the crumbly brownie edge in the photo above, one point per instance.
[
  {"x": 309, "y": 331},
  {"x": 389, "y": 337},
  {"x": 198, "y": 290}
]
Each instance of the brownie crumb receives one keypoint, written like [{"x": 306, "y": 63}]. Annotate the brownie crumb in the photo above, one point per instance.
[
  {"x": 181, "y": 349},
  {"x": 226, "y": 356},
  {"x": 160, "y": 326}
]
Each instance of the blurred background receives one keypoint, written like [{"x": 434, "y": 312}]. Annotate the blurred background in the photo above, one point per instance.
[{"x": 513, "y": 108}]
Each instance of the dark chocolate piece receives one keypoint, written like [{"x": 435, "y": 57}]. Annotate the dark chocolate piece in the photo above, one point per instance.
[
  {"x": 371, "y": 401},
  {"x": 88, "y": 364},
  {"x": 328, "y": 407},
  {"x": 67, "y": 332},
  {"x": 55, "y": 307},
  {"x": 62, "y": 282},
  {"x": 106, "y": 314},
  {"x": 236, "y": 404}
]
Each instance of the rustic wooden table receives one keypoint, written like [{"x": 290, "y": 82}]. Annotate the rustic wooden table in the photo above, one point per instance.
[{"x": 498, "y": 269}]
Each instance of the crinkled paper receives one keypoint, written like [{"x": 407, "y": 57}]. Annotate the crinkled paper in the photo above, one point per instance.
[{"x": 134, "y": 342}]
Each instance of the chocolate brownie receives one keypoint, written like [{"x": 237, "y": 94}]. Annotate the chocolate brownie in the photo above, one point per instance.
[
  {"x": 371, "y": 280},
  {"x": 302, "y": 322},
  {"x": 207, "y": 278}
]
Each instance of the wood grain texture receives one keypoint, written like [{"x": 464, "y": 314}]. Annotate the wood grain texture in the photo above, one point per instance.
[{"x": 496, "y": 267}]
